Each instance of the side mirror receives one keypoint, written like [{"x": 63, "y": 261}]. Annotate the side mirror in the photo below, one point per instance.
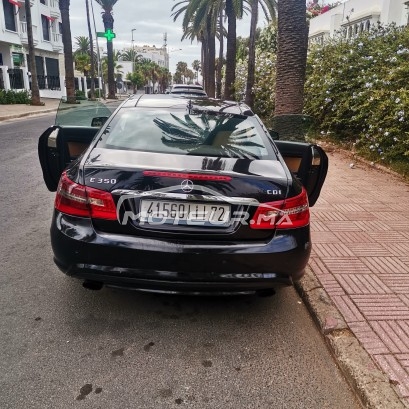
[
  {"x": 274, "y": 134},
  {"x": 98, "y": 121}
]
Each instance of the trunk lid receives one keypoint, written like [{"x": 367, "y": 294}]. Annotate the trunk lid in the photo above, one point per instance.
[{"x": 220, "y": 185}]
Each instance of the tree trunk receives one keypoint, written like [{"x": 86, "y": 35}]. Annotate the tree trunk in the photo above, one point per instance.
[
  {"x": 211, "y": 65},
  {"x": 67, "y": 42},
  {"x": 109, "y": 25},
  {"x": 91, "y": 46},
  {"x": 291, "y": 65},
  {"x": 35, "y": 91},
  {"x": 205, "y": 63},
  {"x": 252, "y": 55},
  {"x": 231, "y": 51},
  {"x": 220, "y": 64}
]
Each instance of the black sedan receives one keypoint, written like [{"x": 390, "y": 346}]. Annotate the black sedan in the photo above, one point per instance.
[{"x": 179, "y": 194}]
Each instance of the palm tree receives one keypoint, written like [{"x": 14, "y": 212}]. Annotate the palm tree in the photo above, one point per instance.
[
  {"x": 108, "y": 21},
  {"x": 220, "y": 61},
  {"x": 200, "y": 21},
  {"x": 198, "y": 11},
  {"x": 269, "y": 7},
  {"x": 234, "y": 10},
  {"x": 117, "y": 69},
  {"x": 82, "y": 63},
  {"x": 92, "y": 91},
  {"x": 35, "y": 91},
  {"x": 164, "y": 78},
  {"x": 290, "y": 78},
  {"x": 68, "y": 58},
  {"x": 131, "y": 55},
  {"x": 196, "y": 67},
  {"x": 83, "y": 45}
]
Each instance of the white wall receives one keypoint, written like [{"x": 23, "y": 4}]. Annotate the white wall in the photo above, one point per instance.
[{"x": 387, "y": 11}]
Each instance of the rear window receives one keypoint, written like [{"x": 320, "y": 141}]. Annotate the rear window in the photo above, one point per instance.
[{"x": 178, "y": 132}]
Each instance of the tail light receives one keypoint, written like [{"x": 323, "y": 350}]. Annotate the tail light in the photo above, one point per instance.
[
  {"x": 284, "y": 214},
  {"x": 80, "y": 200}
]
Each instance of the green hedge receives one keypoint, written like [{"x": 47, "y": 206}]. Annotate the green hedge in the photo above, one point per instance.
[
  {"x": 14, "y": 97},
  {"x": 357, "y": 90}
]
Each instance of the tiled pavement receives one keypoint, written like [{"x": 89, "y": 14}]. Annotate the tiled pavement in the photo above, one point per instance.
[{"x": 360, "y": 232}]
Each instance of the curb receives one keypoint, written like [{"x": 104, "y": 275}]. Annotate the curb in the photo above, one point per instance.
[
  {"x": 25, "y": 114},
  {"x": 372, "y": 386}
]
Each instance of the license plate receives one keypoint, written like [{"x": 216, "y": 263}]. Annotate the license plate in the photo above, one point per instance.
[{"x": 184, "y": 213}]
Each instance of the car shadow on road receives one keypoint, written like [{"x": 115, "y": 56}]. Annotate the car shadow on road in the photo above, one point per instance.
[{"x": 117, "y": 312}]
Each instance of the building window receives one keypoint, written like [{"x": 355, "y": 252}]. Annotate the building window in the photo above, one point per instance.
[
  {"x": 368, "y": 25},
  {"x": 60, "y": 28},
  {"x": 9, "y": 16},
  {"x": 350, "y": 32},
  {"x": 46, "y": 28},
  {"x": 43, "y": 2}
]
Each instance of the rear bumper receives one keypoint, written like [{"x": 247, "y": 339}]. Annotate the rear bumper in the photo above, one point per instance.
[{"x": 177, "y": 266}]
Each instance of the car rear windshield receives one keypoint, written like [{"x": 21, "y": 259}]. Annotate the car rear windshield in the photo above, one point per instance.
[{"x": 182, "y": 133}]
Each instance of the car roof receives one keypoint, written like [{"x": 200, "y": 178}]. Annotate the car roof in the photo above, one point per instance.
[
  {"x": 175, "y": 101},
  {"x": 195, "y": 86},
  {"x": 190, "y": 91}
]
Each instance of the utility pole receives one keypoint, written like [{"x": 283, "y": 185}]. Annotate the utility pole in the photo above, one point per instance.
[{"x": 133, "y": 51}]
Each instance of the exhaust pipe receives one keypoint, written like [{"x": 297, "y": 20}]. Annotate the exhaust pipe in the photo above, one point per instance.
[
  {"x": 266, "y": 293},
  {"x": 92, "y": 285}
]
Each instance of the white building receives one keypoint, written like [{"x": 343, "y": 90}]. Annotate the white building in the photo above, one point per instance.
[
  {"x": 159, "y": 56},
  {"x": 355, "y": 16},
  {"x": 14, "y": 67}
]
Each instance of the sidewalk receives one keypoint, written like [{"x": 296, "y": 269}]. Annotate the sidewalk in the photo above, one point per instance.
[
  {"x": 20, "y": 110},
  {"x": 13, "y": 111},
  {"x": 360, "y": 235},
  {"x": 360, "y": 265}
]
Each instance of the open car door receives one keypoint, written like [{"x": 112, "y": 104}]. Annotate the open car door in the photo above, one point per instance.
[
  {"x": 74, "y": 129},
  {"x": 307, "y": 161}
]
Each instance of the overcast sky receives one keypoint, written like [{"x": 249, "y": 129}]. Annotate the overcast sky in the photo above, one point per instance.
[{"x": 151, "y": 19}]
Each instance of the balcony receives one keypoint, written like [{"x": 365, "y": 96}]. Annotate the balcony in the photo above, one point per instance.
[
  {"x": 56, "y": 41},
  {"x": 54, "y": 9},
  {"x": 24, "y": 35}
]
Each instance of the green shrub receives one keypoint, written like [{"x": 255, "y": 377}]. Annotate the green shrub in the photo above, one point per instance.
[
  {"x": 356, "y": 89},
  {"x": 80, "y": 95},
  {"x": 97, "y": 93},
  {"x": 14, "y": 97}
]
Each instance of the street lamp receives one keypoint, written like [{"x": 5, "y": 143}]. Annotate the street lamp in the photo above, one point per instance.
[
  {"x": 133, "y": 51},
  {"x": 168, "y": 52},
  {"x": 168, "y": 57}
]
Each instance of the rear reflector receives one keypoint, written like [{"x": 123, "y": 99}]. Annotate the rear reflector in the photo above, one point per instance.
[
  {"x": 284, "y": 214},
  {"x": 191, "y": 176},
  {"x": 84, "y": 201}
]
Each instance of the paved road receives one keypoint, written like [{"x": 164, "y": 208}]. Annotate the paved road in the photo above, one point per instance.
[{"x": 62, "y": 346}]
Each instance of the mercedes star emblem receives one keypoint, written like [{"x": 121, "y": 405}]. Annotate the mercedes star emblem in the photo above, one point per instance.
[{"x": 187, "y": 185}]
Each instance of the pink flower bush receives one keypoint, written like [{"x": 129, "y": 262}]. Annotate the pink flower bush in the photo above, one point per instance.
[{"x": 314, "y": 9}]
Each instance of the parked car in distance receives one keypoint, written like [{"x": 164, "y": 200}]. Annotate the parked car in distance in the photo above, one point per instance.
[
  {"x": 180, "y": 195},
  {"x": 188, "y": 89}
]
